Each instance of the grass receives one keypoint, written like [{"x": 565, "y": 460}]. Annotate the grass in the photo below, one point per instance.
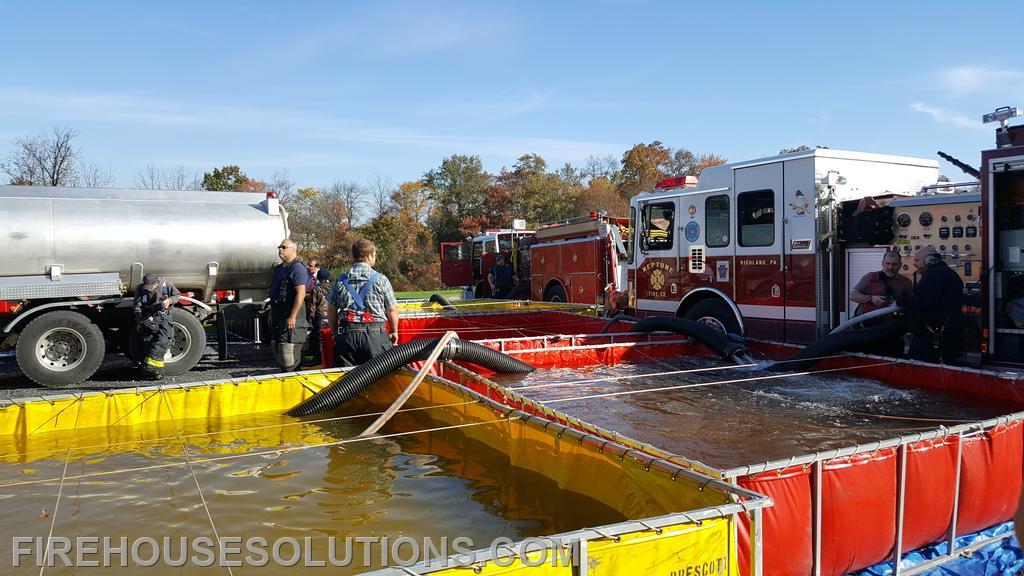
[{"x": 424, "y": 294}]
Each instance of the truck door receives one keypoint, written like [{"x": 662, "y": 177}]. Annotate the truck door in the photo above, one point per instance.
[
  {"x": 760, "y": 268},
  {"x": 657, "y": 258},
  {"x": 456, "y": 267}
]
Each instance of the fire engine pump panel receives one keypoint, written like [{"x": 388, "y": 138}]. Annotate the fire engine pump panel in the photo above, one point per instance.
[{"x": 949, "y": 222}]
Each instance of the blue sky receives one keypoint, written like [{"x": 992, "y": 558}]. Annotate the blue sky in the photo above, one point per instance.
[{"x": 352, "y": 90}]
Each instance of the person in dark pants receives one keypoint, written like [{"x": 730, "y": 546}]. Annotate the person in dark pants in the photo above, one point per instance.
[
  {"x": 288, "y": 324},
  {"x": 500, "y": 277},
  {"x": 317, "y": 309},
  {"x": 361, "y": 304},
  {"x": 934, "y": 309},
  {"x": 153, "y": 301}
]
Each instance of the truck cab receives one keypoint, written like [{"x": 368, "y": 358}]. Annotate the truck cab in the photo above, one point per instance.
[
  {"x": 750, "y": 249},
  {"x": 466, "y": 264}
]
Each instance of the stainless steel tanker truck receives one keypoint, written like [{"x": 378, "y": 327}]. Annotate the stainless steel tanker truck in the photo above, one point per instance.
[{"x": 71, "y": 258}]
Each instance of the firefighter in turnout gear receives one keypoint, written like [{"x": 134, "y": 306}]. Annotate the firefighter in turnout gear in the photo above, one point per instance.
[
  {"x": 153, "y": 301},
  {"x": 361, "y": 305},
  {"x": 936, "y": 318}
]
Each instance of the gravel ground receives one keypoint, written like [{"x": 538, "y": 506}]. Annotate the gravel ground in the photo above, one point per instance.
[{"x": 244, "y": 359}]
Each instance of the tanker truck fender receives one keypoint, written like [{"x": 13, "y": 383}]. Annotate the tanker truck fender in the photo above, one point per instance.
[{"x": 21, "y": 320}]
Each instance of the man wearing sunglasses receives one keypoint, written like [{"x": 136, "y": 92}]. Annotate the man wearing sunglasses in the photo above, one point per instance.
[{"x": 288, "y": 324}]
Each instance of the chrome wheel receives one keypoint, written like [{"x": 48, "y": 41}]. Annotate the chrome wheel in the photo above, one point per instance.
[
  {"x": 61, "y": 349},
  {"x": 181, "y": 342}
]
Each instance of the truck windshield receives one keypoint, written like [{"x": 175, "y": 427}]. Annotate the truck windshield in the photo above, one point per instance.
[
  {"x": 452, "y": 251},
  {"x": 504, "y": 243}
]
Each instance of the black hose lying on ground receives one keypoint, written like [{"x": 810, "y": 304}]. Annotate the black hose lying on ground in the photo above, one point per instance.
[
  {"x": 444, "y": 302},
  {"x": 833, "y": 343},
  {"x": 361, "y": 377},
  {"x": 707, "y": 335},
  {"x": 618, "y": 318}
]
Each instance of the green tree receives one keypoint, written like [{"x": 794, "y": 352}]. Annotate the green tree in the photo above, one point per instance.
[
  {"x": 458, "y": 188},
  {"x": 229, "y": 178}
]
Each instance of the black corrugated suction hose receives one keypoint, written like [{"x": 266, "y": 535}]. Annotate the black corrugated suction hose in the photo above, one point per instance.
[
  {"x": 618, "y": 318},
  {"x": 361, "y": 377},
  {"x": 703, "y": 333},
  {"x": 444, "y": 302},
  {"x": 833, "y": 343}
]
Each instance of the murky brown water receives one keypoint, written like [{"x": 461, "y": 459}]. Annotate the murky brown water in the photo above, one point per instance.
[
  {"x": 425, "y": 485},
  {"x": 756, "y": 416}
]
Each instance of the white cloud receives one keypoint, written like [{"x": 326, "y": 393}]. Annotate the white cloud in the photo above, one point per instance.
[
  {"x": 975, "y": 79},
  {"x": 497, "y": 109},
  {"x": 943, "y": 116},
  {"x": 128, "y": 108},
  {"x": 98, "y": 106}
]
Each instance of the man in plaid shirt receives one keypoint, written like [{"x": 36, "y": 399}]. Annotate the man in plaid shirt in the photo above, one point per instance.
[{"x": 361, "y": 305}]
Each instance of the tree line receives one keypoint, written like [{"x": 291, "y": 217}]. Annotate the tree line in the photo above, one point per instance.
[{"x": 408, "y": 220}]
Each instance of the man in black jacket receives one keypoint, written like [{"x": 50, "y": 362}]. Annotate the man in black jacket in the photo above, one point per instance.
[
  {"x": 154, "y": 298},
  {"x": 936, "y": 318}
]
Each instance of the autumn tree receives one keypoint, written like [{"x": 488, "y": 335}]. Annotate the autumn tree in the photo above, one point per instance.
[
  {"x": 412, "y": 199},
  {"x": 321, "y": 224},
  {"x": 643, "y": 166},
  {"x": 457, "y": 189},
  {"x": 601, "y": 194}
]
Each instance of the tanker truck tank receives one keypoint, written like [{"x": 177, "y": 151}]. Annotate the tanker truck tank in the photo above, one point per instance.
[
  {"x": 200, "y": 240},
  {"x": 73, "y": 256}
]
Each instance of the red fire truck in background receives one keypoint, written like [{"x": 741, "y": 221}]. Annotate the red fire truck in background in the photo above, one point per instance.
[{"x": 576, "y": 260}]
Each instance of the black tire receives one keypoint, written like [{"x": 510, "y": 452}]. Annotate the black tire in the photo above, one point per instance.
[
  {"x": 478, "y": 292},
  {"x": 60, "y": 348},
  {"x": 715, "y": 313},
  {"x": 187, "y": 347},
  {"x": 555, "y": 294}
]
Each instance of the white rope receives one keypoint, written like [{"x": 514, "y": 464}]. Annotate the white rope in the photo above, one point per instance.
[
  {"x": 192, "y": 470},
  {"x": 652, "y": 374},
  {"x": 702, "y": 384},
  {"x": 60, "y": 490},
  {"x": 278, "y": 451}
]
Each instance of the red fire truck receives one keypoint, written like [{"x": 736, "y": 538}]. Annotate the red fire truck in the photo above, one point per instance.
[
  {"x": 466, "y": 264},
  {"x": 576, "y": 260},
  {"x": 768, "y": 248}
]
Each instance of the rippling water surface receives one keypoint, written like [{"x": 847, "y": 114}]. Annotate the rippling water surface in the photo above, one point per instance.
[{"x": 725, "y": 416}]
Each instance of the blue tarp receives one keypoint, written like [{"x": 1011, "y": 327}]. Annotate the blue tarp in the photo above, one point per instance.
[{"x": 1001, "y": 558}]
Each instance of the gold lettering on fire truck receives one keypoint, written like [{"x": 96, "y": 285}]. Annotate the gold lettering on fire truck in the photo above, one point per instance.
[
  {"x": 658, "y": 273},
  {"x": 759, "y": 261}
]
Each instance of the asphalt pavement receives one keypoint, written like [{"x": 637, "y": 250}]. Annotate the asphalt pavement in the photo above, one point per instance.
[{"x": 244, "y": 359}]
